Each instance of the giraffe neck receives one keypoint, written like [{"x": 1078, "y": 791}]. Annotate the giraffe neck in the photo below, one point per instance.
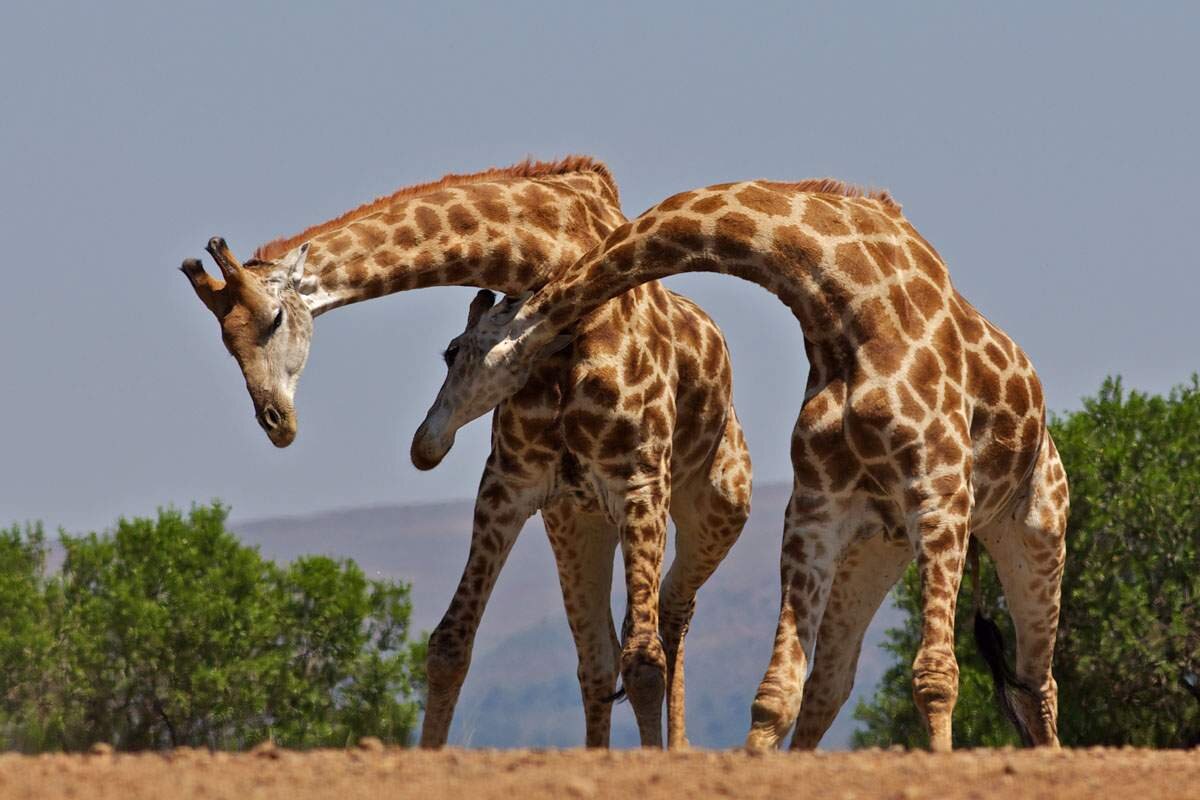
[
  {"x": 507, "y": 235},
  {"x": 590, "y": 282},
  {"x": 823, "y": 257}
]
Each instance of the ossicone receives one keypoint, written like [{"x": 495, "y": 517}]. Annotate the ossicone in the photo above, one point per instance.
[{"x": 213, "y": 293}]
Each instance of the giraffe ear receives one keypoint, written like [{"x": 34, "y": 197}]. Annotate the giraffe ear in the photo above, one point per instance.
[
  {"x": 483, "y": 301},
  {"x": 295, "y": 265},
  {"x": 288, "y": 272},
  {"x": 508, "y": 308}
]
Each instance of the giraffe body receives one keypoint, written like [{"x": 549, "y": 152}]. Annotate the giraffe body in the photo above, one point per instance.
[
  {"x": 509, "y": 230},
  {"x": 632, "y": 432},
  {"x": 921, "y": 423}
]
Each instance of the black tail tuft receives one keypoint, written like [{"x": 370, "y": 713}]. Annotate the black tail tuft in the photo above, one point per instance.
[
  {"x": 616, "y": 697},
  {"x": 990, "y": 642}
]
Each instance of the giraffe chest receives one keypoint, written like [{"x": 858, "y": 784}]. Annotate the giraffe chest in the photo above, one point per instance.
[{"x": 573, "y": 484}]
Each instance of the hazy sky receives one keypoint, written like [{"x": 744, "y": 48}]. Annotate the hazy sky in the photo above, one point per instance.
[{"x": 1048, "y": 150}]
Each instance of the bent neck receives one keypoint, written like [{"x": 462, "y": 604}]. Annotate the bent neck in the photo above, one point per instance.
[
  {"x": 505, "y": 234},
  {"x": 585, "y": 285},
  {"x": 821, "y": 254}
]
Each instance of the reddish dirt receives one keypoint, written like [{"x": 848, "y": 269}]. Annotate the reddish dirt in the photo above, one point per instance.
[{"x": 630, "y": 775}]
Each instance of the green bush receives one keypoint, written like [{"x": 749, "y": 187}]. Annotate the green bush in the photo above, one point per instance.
[
  {"x": 1127, "y": 660},
  {"x": 169, "y": 632}
]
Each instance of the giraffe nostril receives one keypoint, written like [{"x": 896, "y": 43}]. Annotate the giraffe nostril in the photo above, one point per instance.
[{"x": 270, "y": 418}]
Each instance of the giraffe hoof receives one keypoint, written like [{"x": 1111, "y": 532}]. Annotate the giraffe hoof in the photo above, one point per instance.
[{"x": 759, "y": 742}]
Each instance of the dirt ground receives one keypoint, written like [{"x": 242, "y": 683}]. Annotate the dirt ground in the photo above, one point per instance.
[{"x": 630, "y": 775}]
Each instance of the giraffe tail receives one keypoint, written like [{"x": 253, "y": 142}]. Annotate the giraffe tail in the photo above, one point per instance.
[
  {"x": 616, "y": 697},
  {"x": 990, "y": 642},
  {"x": 620, "y": 696}
]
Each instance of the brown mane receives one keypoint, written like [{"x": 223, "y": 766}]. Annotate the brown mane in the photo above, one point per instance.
[
  {"x": 834, "y": 186},
  {"x": 525, "y": 169}
]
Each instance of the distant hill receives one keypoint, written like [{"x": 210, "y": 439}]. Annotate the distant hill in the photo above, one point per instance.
[{"x": 522, "y": 690}]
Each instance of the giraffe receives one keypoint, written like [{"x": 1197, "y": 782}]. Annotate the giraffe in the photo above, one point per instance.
[
  {"x": 922, "y": 424},
  {"x": 643, "y": 428},
  {"x": 505, "y": 229},
  {"x": 508, "y": 230}
]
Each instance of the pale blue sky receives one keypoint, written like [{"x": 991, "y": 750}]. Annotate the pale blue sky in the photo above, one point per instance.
[{"x": 1048, "y": 150}]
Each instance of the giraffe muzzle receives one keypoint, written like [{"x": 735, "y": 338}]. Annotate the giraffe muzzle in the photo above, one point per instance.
[
  {"x": 280, "y": 428},
  {"x": 428, "y": 451}
]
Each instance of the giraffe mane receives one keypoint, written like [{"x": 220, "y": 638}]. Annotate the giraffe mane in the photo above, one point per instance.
[
  {"x": 528, "y": 168},
  {"x": 835, "y": 186}
]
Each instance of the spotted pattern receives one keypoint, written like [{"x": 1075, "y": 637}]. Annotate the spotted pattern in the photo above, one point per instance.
[
  {"x": 581, "y": 434},
  {"x": 634, "y": 424},
  {"x": 597, "y": 439},
  {"x": 921, "y": 424},
  {"x": 505, "y": 234}
]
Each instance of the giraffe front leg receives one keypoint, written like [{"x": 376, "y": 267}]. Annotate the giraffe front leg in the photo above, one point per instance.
[
  {"x": 811, "y": 542},
  {"x": 583, "y": 548},
  {"x": 500, "y": 512},
  {"x": 938, "y": 531},
  {"x": 643, "y": 662}
]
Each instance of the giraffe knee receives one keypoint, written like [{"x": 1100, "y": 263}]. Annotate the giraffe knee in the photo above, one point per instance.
[
  {"x": 935, "y": 682},
  {"x": 447, "y": 658},
  {"x": 642, "y": 651},
  {"x": 597, "y": 681},
  {"x": 644, "y": 670}
]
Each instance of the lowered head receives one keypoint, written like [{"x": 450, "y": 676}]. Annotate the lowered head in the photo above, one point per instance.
[
  {"x": 486, "y": 364},
  {"x": 266, "y": 326}
]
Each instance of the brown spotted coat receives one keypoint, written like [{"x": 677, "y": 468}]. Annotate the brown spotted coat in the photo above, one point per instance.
[
  {"x": 922, "y": 423},
  {"x": 648, "y": 381}
]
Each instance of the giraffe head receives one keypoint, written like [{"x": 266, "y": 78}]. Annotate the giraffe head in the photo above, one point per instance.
[
  {"x": 486, "y": 364},
  {"x": 266, "y": 326}
]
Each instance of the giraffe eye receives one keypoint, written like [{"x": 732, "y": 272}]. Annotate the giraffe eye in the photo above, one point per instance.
[
  {"x": 275, "y": 323},
  {"x": 450, "y": 354}
]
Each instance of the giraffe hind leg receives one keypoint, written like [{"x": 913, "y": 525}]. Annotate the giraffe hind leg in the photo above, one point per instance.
[
  {"x": 812, "y": 539},
  {"x": 1029, "y": 553},
  {"x": 868, "y": 570},
  {"x": 643, "y": 528},
  {"x": 814, "y": 536},
  {"x": 709, "y": 516},
  {"x": 938, "y": 530},
  {"x": 989, "y": 641}
]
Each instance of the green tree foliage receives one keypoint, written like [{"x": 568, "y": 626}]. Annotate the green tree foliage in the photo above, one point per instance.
[
  {"x": 169, "y": 631},
  {"x": 26, "y": 635},
  {"x": 1127, "y": 659}
]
